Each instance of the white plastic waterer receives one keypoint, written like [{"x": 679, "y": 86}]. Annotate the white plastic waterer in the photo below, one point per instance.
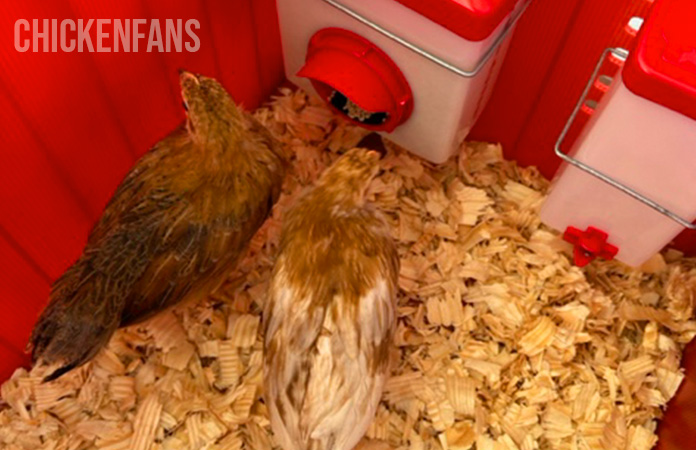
[
  {"x": 418, "y": 72},
  {"x": 630, "y": 185}
]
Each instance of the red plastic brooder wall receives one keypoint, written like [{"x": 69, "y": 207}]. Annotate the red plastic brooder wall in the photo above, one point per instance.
[{"x": 554, "y": 51}]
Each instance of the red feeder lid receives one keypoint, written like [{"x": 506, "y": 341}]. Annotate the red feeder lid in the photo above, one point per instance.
[
  {"x": 474, "y": 20},
  {"x": 662, "y": 67},
  {"x": 346, "y": 70}
]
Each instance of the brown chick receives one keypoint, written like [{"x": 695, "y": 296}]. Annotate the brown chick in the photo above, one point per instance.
[
  {"x": 330, "y": 312},
  {"x": 176, "y": 225}
]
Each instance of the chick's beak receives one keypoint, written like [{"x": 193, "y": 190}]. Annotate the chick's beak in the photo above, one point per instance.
[
  {"x": 373, "y": 141},
  {"x": 186, "y": 75},
  {"x": 374, "y": 155}
]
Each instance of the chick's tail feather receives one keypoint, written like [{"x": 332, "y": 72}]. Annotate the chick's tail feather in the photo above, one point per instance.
[{"x": 83, "y": 313}]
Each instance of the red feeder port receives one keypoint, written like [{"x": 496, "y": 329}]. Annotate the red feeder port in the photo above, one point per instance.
[
  {"x": 589, "y": 245},
  {"x": 357, "y": 79}
]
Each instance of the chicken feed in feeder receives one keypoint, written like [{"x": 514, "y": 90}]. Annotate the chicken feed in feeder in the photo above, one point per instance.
[
  {"x": 355, "y": 112},
  {"x": 501, "y": 343}
]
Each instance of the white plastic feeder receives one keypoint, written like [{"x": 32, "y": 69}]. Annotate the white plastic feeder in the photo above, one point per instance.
[
  {"x": 630, "y": 185},
  {"x": 419, "y": 72}
]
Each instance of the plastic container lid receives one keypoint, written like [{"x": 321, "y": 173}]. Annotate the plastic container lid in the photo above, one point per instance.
[
  {"x": 662, "y": 67},
  {"x": 346, "y": 69},
  {"x": 474, "y": 20}
]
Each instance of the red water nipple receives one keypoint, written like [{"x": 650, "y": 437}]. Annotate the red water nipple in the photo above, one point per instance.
[{"x": 589, "y": 245}]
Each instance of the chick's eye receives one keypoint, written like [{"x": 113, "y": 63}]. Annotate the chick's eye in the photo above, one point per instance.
[{"x": 185, "y": 105}]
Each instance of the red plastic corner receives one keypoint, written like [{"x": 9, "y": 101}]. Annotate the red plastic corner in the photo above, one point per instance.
[
  {"x": 589, "y": 245},
  {"x": 662, "y": 66},
  {"x": 474, "y": 20}
]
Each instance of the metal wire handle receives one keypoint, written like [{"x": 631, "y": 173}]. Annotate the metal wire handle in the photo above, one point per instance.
[
  {"x": 623, "y": 54},
  {"x": 426, "y": 54}
]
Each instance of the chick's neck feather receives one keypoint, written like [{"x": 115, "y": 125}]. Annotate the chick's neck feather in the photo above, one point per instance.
[
  {"x": 342, "y": 190},
  {"x": 231, "y": 140},
  {"x": 215, "y": 125}
]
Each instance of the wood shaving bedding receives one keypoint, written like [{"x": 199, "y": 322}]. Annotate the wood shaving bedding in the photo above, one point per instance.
[{"x": 501, "y": 342}]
